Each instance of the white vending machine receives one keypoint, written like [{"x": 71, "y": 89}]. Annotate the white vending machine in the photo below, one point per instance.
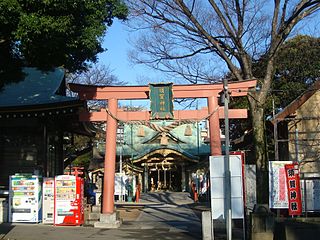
[
  {"x": 25, "y": 198},
  {"x": 48, "y": 200}
]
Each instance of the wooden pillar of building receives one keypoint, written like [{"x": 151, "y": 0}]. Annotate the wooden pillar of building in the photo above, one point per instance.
[
  {"x": 214, "y": 126},
  {"x": 146, "y": 179},
  {"x": 183, "y": 178},
  {"x": 110, "y": 159}
]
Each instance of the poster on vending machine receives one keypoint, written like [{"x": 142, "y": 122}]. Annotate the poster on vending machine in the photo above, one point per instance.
[{"x": 47, "y": 200}]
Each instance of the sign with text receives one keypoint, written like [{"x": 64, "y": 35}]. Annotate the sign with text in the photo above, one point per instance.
[
  {"x": 120, "y": 180},
  {"x": 278, "y": 196},
  {"x": 293, "y": 187},
  {"x": 161, "y": 101}
]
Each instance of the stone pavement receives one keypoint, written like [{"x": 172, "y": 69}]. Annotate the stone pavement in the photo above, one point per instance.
[{"x": 161, "y": 215}]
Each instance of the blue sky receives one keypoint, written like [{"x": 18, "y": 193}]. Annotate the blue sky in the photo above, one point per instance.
[{"x": 117, "y": 44}]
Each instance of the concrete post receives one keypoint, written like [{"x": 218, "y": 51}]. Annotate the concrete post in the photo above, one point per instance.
[{"x": 207, "y": 230}]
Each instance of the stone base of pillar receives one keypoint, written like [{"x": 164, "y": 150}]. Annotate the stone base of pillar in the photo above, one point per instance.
[
  {"x": 93, "y": 215},
  {"x": 109, "y": 220}
]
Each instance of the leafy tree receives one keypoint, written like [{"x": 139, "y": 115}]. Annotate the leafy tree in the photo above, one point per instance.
[
  {"x": 50, "y": 33},
  {"x": 187, "y": 38},
  {"x": 297, "y": 67},
  {"x": 78, "y": 151}
]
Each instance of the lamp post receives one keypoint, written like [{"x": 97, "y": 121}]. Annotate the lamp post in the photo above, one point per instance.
[{"x": 228, "y": 212}]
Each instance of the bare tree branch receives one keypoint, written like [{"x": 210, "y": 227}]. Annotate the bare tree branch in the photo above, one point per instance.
[{"x": 177, "y": 34}]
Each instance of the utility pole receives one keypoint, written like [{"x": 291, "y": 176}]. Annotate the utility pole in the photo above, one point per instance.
[{"x": 228, "y": 211}]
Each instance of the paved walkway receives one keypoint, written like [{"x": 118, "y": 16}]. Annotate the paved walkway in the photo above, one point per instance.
[{"x": 161, "y": 215}]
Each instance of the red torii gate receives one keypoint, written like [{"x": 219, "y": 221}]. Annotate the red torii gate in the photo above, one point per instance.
[{"x": 114, "y": 93}]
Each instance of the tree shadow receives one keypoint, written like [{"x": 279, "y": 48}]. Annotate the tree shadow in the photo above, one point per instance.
[{"x": 13, "y": 74}]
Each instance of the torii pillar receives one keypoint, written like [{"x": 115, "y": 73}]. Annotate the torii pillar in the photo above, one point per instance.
[
  {"x": 214, "y": 126},
  {"x": 108, "y": 217},
  {"x": 110, "y": 158}
]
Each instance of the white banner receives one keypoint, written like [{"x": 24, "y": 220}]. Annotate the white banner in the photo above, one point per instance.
[
  {"x": 120, "y": 181},
  {"x": 278, "y": 194}
]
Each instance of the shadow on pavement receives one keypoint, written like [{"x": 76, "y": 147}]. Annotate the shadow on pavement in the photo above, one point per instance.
[{"x": 5, "y": 228}]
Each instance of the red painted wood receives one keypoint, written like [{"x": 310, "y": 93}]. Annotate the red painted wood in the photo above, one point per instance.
[{"x": 87, "y": 92}]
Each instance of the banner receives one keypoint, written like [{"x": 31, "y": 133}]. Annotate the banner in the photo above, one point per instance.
[
  {"x": 161, "y": 101},
  {"x": 293, "y": 186},
  {"x": 278, "y": 195}
]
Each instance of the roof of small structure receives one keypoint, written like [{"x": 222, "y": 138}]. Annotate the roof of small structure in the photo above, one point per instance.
[
  {"x": 298, "y": 102},
  {"x": 36, "y": 87}
]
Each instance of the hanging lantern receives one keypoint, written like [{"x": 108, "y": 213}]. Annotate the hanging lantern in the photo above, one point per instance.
[
  {"x": 164, "y": 139},
  {"x": 140, "y": 131},
  {"x": 188, "y": 131}
]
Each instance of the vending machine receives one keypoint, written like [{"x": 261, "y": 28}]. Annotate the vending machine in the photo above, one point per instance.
[
  {"x": 25, "y": 198},
  {"x": 68, "y": 200},
  {"x": 47, "y": 200}
]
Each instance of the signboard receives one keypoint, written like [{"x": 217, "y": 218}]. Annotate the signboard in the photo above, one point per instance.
[
  {"x": 278, "y": 196},
  {"x": 217, "y": 183},
  {"x": 161, "y": 101},
  {"x": 293, "y": 187},
  {"x": 120, "y": 184}
]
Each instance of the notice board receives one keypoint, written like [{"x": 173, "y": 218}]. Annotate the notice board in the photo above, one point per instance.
[{"x": 217, "y": 186}]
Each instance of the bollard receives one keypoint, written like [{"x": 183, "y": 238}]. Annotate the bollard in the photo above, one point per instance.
[{"x": 207, "y": 226}]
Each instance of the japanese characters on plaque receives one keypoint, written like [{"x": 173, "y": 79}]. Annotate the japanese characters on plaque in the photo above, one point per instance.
[
  {"x": 161, "y": 101},
  {"x": 293, "y": 186}
]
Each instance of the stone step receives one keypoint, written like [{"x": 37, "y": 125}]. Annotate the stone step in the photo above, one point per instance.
[
  {"x": 94, "y": 216},
  {"x": 96, "y": 208}
]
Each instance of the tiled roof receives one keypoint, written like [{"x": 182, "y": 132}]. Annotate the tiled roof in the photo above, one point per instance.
[
  {"x": 36, "y": 87},
  {"x": 293, "y": 106}
]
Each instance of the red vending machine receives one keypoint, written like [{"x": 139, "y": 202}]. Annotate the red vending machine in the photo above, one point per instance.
[{"x": 68, "y": 200}]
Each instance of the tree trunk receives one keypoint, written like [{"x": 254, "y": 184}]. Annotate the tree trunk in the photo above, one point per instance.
[{"x": 262, "y": 183}]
